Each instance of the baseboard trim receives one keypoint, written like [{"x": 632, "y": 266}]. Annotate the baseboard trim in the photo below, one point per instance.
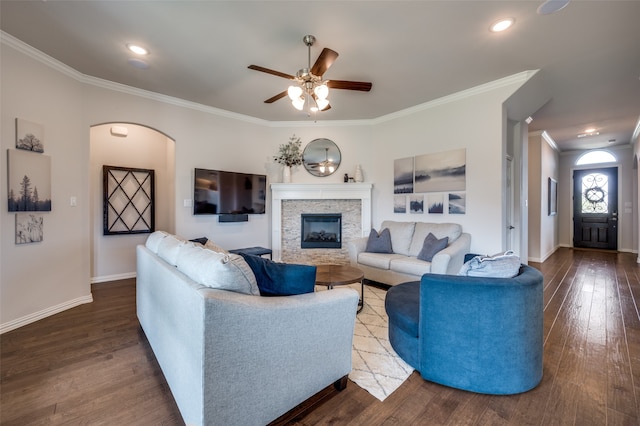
[
  {"x": 116, "y": 277},
  {"x": 36, "y": 316}
]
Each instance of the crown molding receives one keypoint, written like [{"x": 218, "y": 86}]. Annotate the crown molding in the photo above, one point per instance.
[
  {"x": 45, "y": 59},
  {"x": 22, "y": 47},
  {"x": 519, "y": 78}
]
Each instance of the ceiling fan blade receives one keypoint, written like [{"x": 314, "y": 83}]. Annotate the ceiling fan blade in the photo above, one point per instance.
[
  {"x": 276, "y": 97},
  {"x": 272, "y": 72},
  {"x": 324, "y": 61},
  {"x": 349, "y": 85}
]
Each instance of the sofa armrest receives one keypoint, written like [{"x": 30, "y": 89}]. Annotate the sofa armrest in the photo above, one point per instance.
[
  {"x": 450, "y": 260},
  {"x": 482, "y": 334},
  {"x": 278, "y": 351},
  {"x": 355, "y": 247}
]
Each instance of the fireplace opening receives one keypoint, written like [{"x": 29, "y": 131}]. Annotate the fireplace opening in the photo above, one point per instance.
[{"x": 321, "y": 230}]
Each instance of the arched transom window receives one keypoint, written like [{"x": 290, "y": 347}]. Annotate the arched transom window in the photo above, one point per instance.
[{"x": 596, "y": 157}]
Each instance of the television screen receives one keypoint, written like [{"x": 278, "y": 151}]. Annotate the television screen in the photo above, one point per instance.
[{"x": 221, "y": 192}]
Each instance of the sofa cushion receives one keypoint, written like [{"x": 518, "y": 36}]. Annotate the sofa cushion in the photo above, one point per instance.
[
  {"x": 281, "y": 279},
  {"x": 210, "y": 245},
  {"x": 217, "y": 270},
  {"x": 379, "y": 243},
  {"x": 153, "y": 240},
  {"x": 401, "y": 234},
  {"x": 440, "y": 230},
  {"x": 402, "y": 304},
  {"x": 169, "y": 248},
  {"x": 410, "y": 265},
  {"x": 432, "y": 245},
  {"x": 501, "y": 265},
  {"x": 377, "y": 260}
]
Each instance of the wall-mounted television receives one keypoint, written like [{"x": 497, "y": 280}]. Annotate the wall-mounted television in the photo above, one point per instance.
[{"x": 228, "y": 193}]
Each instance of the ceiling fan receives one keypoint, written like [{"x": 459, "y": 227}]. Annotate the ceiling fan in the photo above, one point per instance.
[{"x": 308, "y": 82}]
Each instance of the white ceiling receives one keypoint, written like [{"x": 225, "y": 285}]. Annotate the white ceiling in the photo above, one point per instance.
[{"x": 412, "y": 51}]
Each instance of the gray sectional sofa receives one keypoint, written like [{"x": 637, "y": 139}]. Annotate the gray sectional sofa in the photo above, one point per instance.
[
  {"x": 407, "y": 240},
  {"x": 232, "y": 357}
]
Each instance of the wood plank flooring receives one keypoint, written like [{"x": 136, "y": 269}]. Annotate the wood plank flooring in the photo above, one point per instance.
[{"x": 92, "y": 364}]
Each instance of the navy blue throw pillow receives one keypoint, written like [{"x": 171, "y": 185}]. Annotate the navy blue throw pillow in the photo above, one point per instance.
[
  {"x": 281, "y": 279},
  {"x": 379, "y": 243}
]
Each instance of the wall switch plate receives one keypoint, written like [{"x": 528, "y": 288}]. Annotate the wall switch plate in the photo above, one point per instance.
[
  {"x": 187, "y": 203},
  {"x": 73, "y": 201}
]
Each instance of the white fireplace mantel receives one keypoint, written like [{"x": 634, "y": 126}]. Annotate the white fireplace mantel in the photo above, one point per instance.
[{"x": 319, "y": 191}]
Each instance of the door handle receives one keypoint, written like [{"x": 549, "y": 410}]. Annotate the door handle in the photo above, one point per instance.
[{"x": 510, "y": 227}]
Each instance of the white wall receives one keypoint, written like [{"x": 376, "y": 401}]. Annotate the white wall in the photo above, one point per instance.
[
  {"x": 627, "y": 219},
  {"x": 473, "y": 122},
  {"x": 69, "y": 104},
  {"x": 543, "y": 228},
  {"x": 113, "y": 256},
  {"x": 40, "y": 279}
]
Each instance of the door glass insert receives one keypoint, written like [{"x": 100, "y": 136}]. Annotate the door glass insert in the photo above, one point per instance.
[{"x": 595, "y": 193}]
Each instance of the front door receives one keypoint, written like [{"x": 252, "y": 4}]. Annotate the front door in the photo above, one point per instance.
[{"x": 595, "y": 208}]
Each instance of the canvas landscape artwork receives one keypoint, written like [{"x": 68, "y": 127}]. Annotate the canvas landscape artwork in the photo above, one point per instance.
[
  {"x": 457, "y": 203},
  {"x": 442, "y": 171},
  {"x": 29, "y": 228},
  {"x": 29, "y": 181},
  {"x": 29, "y": 136},
  {"x": 403, "y": 176}
]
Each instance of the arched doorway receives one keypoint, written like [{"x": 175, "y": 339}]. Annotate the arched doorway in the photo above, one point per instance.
[{"x": 134, "y": 146}]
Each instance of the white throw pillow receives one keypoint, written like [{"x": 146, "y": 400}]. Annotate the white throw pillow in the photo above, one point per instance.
[
  {"x": 153, "y": 240},
  {"x": 217, "y": 270},
  {"x": 169, "y": 248},
  {"x": 210, "y": 245}
]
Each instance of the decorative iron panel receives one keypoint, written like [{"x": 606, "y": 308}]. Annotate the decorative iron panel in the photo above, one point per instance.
[{"x": 128, "y": 206}]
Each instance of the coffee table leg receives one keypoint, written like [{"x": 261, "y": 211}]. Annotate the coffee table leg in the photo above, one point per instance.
[{"x": 361, "y": 301}]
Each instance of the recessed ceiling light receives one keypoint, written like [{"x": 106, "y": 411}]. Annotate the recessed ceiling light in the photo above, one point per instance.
[
  {"x": 138, "y": 50},
  {"x": 552, "y": 6},
  {"x": 138, "y": 63},
  {"x": 591, "y": 133},
  {"x": 501, "y": 25},
  {"x": 590, "y": 130}
]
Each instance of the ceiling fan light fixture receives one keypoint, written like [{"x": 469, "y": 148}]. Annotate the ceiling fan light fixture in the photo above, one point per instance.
[
  {"x": 298, "y": 103},
  {"x": 294, "y": 92},
  {"x": 322, "y": 103},
  {"x": 321, "y": 91},
  {"x": 501, "y": 25}
]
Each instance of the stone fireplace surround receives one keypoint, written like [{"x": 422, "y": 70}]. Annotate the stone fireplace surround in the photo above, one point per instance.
[{"x": 288, "y": 200}]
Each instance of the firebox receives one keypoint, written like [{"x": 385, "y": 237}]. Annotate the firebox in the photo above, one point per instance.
[{"x": 321, "y": 230}]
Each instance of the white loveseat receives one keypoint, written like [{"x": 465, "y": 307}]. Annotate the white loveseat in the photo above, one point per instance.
[
  {"x": 232, "y": 358},
  {"x": 407, "y": 240}
]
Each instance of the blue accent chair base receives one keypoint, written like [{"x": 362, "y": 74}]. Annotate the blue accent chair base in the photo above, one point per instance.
[{"x": 483, "y": 335}]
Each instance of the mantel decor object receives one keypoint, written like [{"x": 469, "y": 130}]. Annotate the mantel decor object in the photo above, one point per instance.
[
  {"x": 289, "y": 155},
  {"x": 321, "y": 157}
]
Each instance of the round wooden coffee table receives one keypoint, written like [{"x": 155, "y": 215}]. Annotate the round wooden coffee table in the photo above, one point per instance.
[{"x": 334, "y": 275}]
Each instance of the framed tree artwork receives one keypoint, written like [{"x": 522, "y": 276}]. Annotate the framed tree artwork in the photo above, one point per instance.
[{"x": 129, "y": 206}]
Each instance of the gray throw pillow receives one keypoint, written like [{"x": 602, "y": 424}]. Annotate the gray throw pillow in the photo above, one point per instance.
[
  {"x": 431, "y": 246},
  {"x": 379, "y": 243}
]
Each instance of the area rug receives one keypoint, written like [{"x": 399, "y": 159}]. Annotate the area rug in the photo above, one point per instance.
[{"x": 376, "y": 367}]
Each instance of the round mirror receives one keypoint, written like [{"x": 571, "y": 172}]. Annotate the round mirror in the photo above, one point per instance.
[{"x": 321, "y": 157}]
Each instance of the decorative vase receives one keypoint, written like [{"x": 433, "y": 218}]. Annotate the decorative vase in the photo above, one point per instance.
[
  {"x": 286, "y": 174},
  {"x": 358, "y": 176}
]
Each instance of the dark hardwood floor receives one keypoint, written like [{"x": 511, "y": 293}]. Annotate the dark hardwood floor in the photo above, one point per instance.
[{"x": 92, "y": 364}]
